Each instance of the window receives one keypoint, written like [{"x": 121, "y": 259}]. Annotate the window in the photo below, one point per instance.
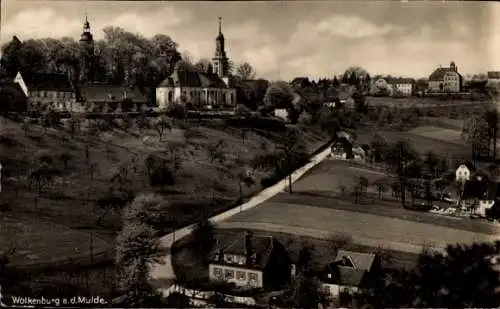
[
  {"x": 252, "y": 277},
  {"x": 241, "y": 275},
  {"x": 228, "y": 258},
  {"x": 170, "y": 96},
  {"x": 217, "y": 272},
  {"x": 229, "y": 274}
]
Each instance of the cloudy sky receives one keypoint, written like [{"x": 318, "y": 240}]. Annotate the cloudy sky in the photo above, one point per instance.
[{"x": 282, "y": 40}]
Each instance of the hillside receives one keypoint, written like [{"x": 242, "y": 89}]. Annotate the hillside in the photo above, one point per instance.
[{"x": 90, "y": 165}]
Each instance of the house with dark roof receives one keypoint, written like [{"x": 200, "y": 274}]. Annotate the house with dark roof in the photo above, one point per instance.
[
  {"x": 249, "y": 261},
  {"x": 12, "y": 98},
  {"x": 111, "y": 96},
  {"x": 55, "y": 89},
  {"x": 347, "y": 273},
  {"x": 200, "y": 89},
  {"x": 478, "y": 196},
  {"x": 446, "y": 80}
]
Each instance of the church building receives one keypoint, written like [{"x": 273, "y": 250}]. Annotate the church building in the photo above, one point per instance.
[{"x": 200, "y": 89}]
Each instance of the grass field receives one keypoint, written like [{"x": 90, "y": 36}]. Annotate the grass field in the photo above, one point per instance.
[
  {"x": 418, "y": 102},
  {"x": 437, "y": 133},
  {"x": 421, "y": 143},
  {"x": 331, "y": 174},
  {"x": 372, "y": 229},
  {"x": 69, "y": 199}
]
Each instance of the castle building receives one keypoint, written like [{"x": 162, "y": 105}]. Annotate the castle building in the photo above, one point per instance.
[
  {"x": 200, "y": 89},
  {"x": 446, "y": 80}
]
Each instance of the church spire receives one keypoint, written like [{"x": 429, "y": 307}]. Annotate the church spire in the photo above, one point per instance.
[
  {"x": 220, "y": 25},
  {"x": 86, "y": 24}
]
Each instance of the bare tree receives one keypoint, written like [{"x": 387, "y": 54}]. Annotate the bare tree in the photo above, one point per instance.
[
  {"x": 92, "y": 169},
  {"x": 245, "y": 71},
  {"x": 162, "y": 125},
  {"x": 217, "y": 151},
  {"x": 41, "y": 178}
]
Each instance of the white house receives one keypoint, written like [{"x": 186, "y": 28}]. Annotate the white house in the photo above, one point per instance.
[
  {"x": 282, "y": 113},
  {"x": 402, "y": 86},
  {"x": 462, "y": 174},
  {"x": 347, "y": 273}
]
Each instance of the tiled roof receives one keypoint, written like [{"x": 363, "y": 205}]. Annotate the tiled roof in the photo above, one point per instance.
[
  {"x": 183, "y": 77},
  {"x": 361, "y": 260},
  {"x": 110, "y": 93},
  {"x": 475, "y": 189},
  {"x": 401, "y": 81},
  {"x": 349, "y": 268},
  {"x": 235, "y": 244},
  {"x": 494, "y": 74},
  {"x": 48, "y": 81},
  {"x": 439, "y": 73}
]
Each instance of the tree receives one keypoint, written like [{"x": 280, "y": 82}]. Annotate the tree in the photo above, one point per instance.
[
  {"x": 245, "y": 71},
  {"x": 217, "y": 151},
  {"x": 279, "y": 95},
  {"x": 431, "y": 161},
  {"x": 203, "y": 65},
  {"x": 41, "y": 177},
  {"x": 137, "y": 248},
  {"x": 178, "y": 300},
  {"x": 245, "y": 177},
  {"x": 112, "y": 201},
  {"x": 363, "y": 184},
  {"x": 203, "y": 240},
  {"x": 65, "y": 157},
  {"x": 491, "y": 118},
  {"x": 475, "y": 133},
  {"x": 379, "y": 147},
  {"x": 161, "y": 125},
  {"x": 399, "y": 156},
  {"x": 463, "y": 277},
  {"x": 293, "y": 149},
  {"x": 381, "y": 188}
]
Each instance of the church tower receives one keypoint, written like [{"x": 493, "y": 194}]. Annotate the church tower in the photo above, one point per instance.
[
  {"x": 86, "y": 53},
  {"x": 220, "y": 61}
]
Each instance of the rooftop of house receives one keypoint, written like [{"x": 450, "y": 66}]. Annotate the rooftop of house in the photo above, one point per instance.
[
  {"x": 349, "y": 268},
  {"x": 262, "y": 247},
  {"x": 103, "y": 93},
  {"x": 439, "y": 73},
  {"x": 185, "y": 77},
  {"x": 494, "y": 74},
  {"x": 401, "y": 80},
  {"x": 474, "y": 189},
  {"x": 47, "y": 81}
]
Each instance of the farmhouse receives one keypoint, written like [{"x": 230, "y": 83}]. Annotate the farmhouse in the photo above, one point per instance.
[
  {"x": 446, "y": 80},
  {"x": 208, "y": 89},
  {"x": 347, "y": 273},
  {"x": 249, "y": 261},
  {"x": 47, "y": 89}
]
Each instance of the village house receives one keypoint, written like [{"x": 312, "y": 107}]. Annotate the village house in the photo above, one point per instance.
[
  {"x": 478, "y": 196},
  {"x": 347, "y": 273},
  {"x": 47, "y": 89},
  {"x": 111, "y": 97},
  {"x": 494, "y": 79},
  {"x": 249, "y": 261},
  {"x": 446, "y": 80},
  {"x": 402, "y": 86},
  {"x": 202, "y": 89}
]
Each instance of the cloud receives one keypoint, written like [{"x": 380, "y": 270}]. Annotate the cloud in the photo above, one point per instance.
[
  {"x": 46, "y": 22},
  {"x": 352, "y": 27}
]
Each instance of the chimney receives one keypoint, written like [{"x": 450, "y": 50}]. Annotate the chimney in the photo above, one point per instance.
[{"x": 248, "y": 244}]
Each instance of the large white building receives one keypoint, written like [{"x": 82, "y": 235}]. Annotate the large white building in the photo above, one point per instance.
[
  {"x": 201, "y": 89},
  {"x": 446, "y": 80}
]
